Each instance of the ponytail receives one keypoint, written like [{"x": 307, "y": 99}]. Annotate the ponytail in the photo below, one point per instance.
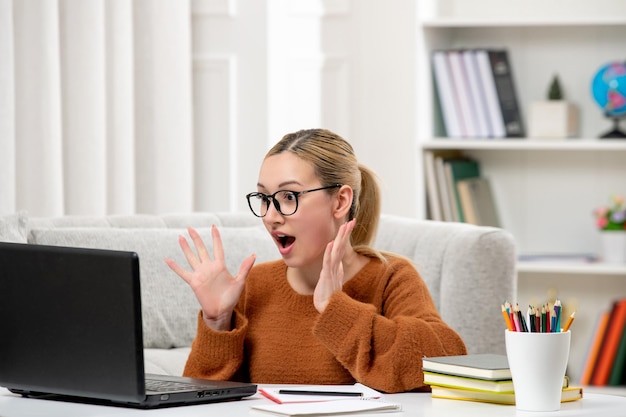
[{"x": 367, "y": 209}]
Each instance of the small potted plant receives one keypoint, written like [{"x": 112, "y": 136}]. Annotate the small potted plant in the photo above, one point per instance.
[
  {"x": 611, "y": 221},
  {"x": 554, "y": 118}
]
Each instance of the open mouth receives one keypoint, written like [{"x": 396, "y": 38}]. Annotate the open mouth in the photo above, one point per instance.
[{"x": 285, "y": 240}]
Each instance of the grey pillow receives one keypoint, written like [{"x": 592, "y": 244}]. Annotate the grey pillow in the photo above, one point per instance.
[
  {"x": 13, "y": 228},
  {"x": 169, "y": 306}
]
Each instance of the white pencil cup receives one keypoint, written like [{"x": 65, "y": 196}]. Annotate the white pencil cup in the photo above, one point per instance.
[{"x": 538, "y": 362}]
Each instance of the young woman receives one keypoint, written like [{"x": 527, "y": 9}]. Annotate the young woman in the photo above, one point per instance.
[{"x": 333, "y": 310}]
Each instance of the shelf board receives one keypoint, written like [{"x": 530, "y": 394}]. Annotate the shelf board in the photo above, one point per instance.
[
  {"x": 527, "y": 144},
  {"x": 458, "y": 22},
  {"x": 594, "y": 268},
  {"x": 607, "y": 390}
]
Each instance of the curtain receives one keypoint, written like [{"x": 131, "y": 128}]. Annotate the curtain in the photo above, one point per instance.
[{"x": 96, "y": 107}]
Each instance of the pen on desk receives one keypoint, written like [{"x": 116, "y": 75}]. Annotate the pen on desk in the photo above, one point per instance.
[
  {"x": 569, "y": 322},
  {"x": 329, "y": 393}
]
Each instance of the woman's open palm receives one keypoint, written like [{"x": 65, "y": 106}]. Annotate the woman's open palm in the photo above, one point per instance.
[
  {"x": 216, "y": 289},
  {"x": 332, "y": 274}
]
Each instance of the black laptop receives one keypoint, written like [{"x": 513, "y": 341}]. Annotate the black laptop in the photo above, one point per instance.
[{"x": 71, "y": 329}]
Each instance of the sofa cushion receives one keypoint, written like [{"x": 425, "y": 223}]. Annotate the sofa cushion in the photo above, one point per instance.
[
  {"x": 169, "y": 307},
  {"x": 165, "y": 361},
  {"x": 13, "y": 228}
]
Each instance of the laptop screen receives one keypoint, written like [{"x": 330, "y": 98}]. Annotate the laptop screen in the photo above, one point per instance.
[{"x": 71, "y": 322}]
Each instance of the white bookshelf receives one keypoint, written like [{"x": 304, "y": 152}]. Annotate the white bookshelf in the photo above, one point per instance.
[
  {"x": 545, "y": 190},
  {"x": 568, "y": 145},
  {"x": 598, "y": 269}
]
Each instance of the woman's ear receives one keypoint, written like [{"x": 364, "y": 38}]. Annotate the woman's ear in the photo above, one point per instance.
[{"x": 343, "y": 201}]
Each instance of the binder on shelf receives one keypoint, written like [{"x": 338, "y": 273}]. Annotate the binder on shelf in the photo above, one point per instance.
[
  {"x": 497, "y": 77},
  {"x": 463, "y": 93},
  {"x": 447, "y": 95},
  {"x": 477, "y": 94}
]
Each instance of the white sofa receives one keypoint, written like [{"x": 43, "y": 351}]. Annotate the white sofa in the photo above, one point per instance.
[{"x": 468, "y": 269}]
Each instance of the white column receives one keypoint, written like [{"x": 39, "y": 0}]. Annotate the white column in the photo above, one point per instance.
[
  {"x": 39, "y": 181},
  {"x": 163, "y": 105},
  {"x": 7, "y": 110},
  {"x": 84, "y": 127},
  {"x": 120, "y": 119},
  {"x": 230, "y": 100}
]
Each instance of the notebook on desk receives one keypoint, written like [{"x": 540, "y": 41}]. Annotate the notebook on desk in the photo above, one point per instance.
[{"x": 71, "y": 328}]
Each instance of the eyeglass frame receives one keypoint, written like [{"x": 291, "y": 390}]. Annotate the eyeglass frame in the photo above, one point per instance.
[{"x": 276, "y": 204}]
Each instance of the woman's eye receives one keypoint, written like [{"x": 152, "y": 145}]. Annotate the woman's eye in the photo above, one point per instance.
[{"x": 289, "y": 196}]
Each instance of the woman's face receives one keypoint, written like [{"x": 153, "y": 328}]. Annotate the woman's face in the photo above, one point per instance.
[{"x": 301, "y": 237}]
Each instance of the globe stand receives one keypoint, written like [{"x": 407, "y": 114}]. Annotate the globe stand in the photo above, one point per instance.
[{"x": 614, "y": 133}]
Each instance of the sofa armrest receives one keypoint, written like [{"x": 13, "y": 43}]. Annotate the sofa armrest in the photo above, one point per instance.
[{"x": 469, "y": 271}]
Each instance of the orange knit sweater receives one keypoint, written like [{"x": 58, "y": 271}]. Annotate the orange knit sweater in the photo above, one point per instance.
[{"x": 375, "y": 332}]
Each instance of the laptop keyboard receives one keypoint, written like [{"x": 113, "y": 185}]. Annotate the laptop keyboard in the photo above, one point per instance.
[{"x": 169, "y": 386}]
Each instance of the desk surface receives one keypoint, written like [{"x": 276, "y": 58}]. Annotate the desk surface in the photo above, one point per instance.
[{"x": 414, "y": 405}]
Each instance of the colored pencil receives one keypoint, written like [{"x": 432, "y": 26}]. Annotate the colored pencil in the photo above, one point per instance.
[{"x": 569, "y": 322}]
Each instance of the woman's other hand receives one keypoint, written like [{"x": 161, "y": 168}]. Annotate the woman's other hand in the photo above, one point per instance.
[
  {"x": 332, "y": 275},
  {"x": 215, "y": 288}
]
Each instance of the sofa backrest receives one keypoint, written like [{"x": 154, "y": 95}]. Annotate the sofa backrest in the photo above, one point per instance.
[{"x": 469, "y": 269}]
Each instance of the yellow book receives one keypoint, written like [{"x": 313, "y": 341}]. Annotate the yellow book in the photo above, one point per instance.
[
  {"x": 477, "y": 384},
  {"x": 506, "y": 398}
]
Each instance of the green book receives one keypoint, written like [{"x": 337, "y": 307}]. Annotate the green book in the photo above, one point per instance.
[
  {"x": 457, "y": 170},
  {"x": 482, "y": 366}
]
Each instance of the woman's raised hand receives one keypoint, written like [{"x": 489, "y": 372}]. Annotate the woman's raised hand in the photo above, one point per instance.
[
  {"x": 215, "y": 288},
  {"x": 331, "y": 277}
]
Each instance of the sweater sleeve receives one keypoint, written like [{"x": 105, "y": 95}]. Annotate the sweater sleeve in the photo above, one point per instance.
[
  {"x": 218, "y": 355},
  {"x": 382, "y": 347}
]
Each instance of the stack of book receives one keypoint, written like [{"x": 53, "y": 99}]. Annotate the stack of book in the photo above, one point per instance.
[
  {"x": 476, "y": 93},
  {"x": 605, "y": 362},
  {"x": 478, "y": 377},
  {"x": 456, "y": 190}
]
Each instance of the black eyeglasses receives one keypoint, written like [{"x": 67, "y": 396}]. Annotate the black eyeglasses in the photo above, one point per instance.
[{"x": 285, "y": 201}]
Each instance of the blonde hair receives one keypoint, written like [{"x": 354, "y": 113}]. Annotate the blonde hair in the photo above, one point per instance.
[{"x": 334, "y": 162}]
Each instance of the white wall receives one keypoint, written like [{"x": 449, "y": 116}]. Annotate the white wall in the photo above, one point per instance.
[
  {"x": 273, "y": 67},
  {"x": 159, "y": 106}
]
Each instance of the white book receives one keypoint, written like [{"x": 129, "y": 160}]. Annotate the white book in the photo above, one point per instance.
[
  {"x": 477, "y": 94},
  {"x": 446, "y": 202},
  {"x": 463, "y": 93},
  {"x": 491, "y": 95},
  {"x": 434, "y": 200},
  {"x": 450, "y": 184},
  {"x": 483, "y": 210},
  {"x": 445, "y": 90},
  {"x": 343, "y": 407}
]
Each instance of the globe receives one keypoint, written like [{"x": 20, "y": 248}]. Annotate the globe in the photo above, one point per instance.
[{"x": 609, "y": 91}]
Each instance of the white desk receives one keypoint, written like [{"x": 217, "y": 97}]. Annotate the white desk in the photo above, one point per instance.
[{"x": 414, "y": 405}]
